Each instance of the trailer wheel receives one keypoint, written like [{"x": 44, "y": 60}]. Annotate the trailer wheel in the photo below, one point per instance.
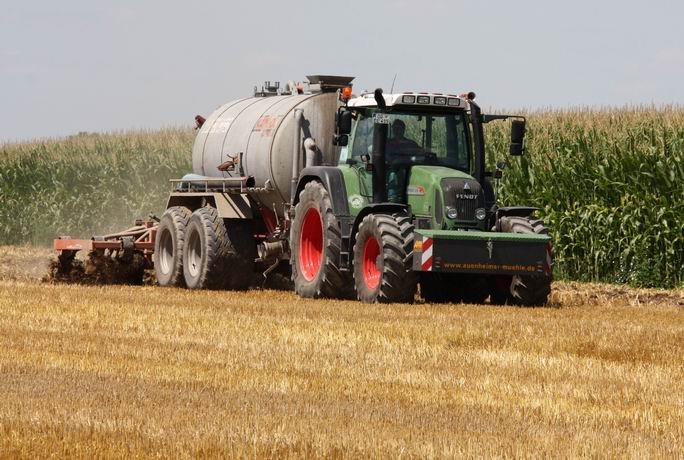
[
  {"x": 316, "y": 243},
  {"x": 216, "y": 255},
  {"x": 383, "y": 256},
  {"x": 526, "y": 290},
  {"x": 168, "y": 246}
]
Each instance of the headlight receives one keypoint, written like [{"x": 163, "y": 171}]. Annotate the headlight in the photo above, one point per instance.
[
  {"x": 451, "y": 212},
  {"x": 480, "y": 213}
]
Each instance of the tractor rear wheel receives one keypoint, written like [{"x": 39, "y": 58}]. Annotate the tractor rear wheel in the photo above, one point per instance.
[
  {"x": 527, "y": 290},
  {"x": 383, "y": 259},
  {"x": 168, "y": 246},
  {"x": 316, "y": 243},
  {"x": 216, "y": 255}
]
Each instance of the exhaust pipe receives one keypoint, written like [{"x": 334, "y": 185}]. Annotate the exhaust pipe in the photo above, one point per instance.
[
  {"x": 478, "y": 141},
  {"x": 381, "y": 128},
  {"x": 296, "y": 153}
]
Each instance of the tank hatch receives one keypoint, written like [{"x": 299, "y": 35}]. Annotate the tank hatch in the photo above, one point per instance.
[
  {"x": 328, "y": 83},
  {"x": 268, "y": 89}
]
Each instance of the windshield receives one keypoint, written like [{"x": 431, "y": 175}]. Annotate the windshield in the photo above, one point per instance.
[{"x": 418, "y": 138}]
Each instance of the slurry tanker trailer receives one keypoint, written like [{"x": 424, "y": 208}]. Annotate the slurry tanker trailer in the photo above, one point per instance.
[{"x": 378, "y": 197}]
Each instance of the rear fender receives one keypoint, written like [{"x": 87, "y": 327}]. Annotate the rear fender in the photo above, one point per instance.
[
  {"x": 332, "y": 179},
  {"x": 228, "y": 205},
  {"x": 375, "y": 208}
]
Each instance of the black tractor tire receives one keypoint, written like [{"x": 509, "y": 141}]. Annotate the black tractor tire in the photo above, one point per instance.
[
  {"x": 383, "y": 259},
  {"x": 445, "y": 287},
  {"x": 168, "y": 246},
  {"x": 218, "y": 254},
  {"x": 525, "y": 290},
  {"x": 316, "y": 243}
]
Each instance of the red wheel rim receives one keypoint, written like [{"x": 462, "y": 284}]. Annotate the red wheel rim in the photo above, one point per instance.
[
  {"x": 369, "y": 265},
  {"x": 311, "y": 244}
]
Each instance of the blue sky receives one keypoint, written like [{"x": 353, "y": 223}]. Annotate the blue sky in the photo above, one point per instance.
[{"x": 86, "y": 65}]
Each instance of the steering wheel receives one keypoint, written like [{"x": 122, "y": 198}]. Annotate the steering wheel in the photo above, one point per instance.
[
  {"x": 426, "y": 155},
  {"x": 408, "y": 156}
]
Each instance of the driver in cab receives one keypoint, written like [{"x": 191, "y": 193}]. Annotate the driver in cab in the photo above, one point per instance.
[
  {"x": 397, "y": 146},
  {"x": 398, "y": 143}
]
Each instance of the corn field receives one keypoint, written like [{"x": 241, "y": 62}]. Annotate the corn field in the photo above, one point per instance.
[
  {"x": 87, "y": 184},
  {"x": 610, "y": 184}
]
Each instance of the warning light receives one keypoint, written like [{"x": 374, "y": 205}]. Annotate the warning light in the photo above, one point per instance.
[{"x": 346, "y": 93}]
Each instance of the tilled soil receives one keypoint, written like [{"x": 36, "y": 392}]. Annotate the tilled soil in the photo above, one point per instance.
[{"x": 98, "y": 268}]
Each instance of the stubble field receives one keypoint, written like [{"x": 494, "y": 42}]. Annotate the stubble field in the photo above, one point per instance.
[{"x": 145, "y": 371}]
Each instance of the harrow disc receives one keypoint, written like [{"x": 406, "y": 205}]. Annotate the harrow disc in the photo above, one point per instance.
[
  {"x": 66, "y": 268},
  {"x": 109, "y": 267}
]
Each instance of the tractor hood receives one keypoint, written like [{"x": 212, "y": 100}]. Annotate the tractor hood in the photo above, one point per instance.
[{"x": 447, "y": 198}]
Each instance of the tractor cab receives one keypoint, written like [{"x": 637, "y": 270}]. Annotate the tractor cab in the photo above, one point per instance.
[
  {"x": 428, "y": 156},
  {"x": 426, "y": 134}
]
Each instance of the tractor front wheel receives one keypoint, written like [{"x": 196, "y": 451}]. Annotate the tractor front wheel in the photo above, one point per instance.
[
  {"x": 383, "y": 255},
  {"x": 526, "y": 290}
]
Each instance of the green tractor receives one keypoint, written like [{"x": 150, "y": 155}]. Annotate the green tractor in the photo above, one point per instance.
[{"x": 410, "y": 207}]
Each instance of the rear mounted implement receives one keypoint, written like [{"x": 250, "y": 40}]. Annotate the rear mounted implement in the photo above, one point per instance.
[{"x": 116, "y": 258}]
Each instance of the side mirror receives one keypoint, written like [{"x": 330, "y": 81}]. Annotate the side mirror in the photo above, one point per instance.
[
  {"x": 366, "y": 158},
  {"x": 517, "y": 137},
  {"x": 343, "y": 119}
]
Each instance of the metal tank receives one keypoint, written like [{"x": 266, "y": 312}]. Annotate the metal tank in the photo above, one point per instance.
[{"x": 264, "y": 131}]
